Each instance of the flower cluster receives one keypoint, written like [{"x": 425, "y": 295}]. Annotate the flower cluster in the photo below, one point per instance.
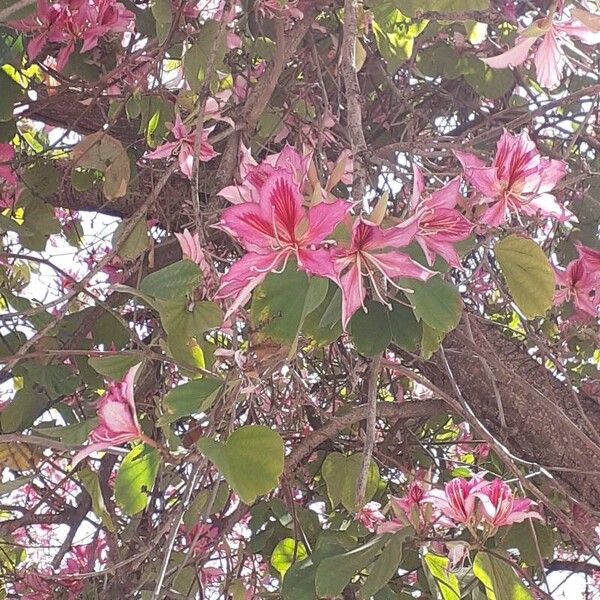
[
  {"x": 68, "y": 22},
  {"x": 474, "y": 503}
]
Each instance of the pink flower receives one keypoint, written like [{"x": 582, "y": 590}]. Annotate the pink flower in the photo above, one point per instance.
[
  {"x": 580, "y": 282},
  {"x": 411, "y": 509},
  {"x": 190, "y": 246},
  {"x": 456, "y": 501},
  {"x": 499, "y": 505},
  {"x": 372, "y": 256},
  {"x": 549, "y": 57},
  {"x": 7, "y": 154},
  {"x": 118, "y": 422},
  {"x": 274, "y": 229},
  {"x": 254, "y": 175},
  {"x": 278, "y": 8},
  {"x": 370, "y": 516},
  {"x": 184, "y": 146},
  {"x": 519, "y": 181},
  {"x": 440, "y": 224}
]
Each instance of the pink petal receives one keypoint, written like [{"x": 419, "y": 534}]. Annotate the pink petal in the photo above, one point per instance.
[
  {"x": 247, "y": 222},
  {"x": 418, "y": 186},
  {"x": 446, "y": 197},
  {"x": 323, "y": 218},
  {"x": 163, "y": 151},
  {"x": 353, "y": 293},
  {"x": 317, "y": 262},
  {"x": 396, "y": 264},
  {"x": 549, "y": 61},
  {"x": 514, "y": 56}
]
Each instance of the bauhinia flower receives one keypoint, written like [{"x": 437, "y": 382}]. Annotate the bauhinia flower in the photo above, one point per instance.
[
  {"x": 518, "y": 181},
  {"x": 411, "y": 509},
  {"x": 500, "y": 507},
  {"x": 118, "y": 422},
  {"x": 184, "y": 146},
  {"x": 456, "y": 501},
  {"x": 554, "y": 34},
  {"x": 66, "y": 23},
  {"x": 190, "y": 246},
  {"x": 440, "y": 224},
  {"x": 580, "y": 282},
  {"x": 273, "y": 230},
  {"x": 370, "y": 516},
  {"x": 372, "y": 258}
]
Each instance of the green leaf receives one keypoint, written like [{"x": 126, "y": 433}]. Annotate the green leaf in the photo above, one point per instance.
[
  {"x": 406, "y": 331},
  {"x": 413, "y": 8},
  {"x": 26, "y": 406},
  {"x": 195, "y": 60},
  {"x": 430, "y": 341},
  {"x": 528, "y": 274},
  {"x": 11, "y": 92},
  {"x": 190, "y": 398},
  {"x": 341, "y": 474},
  {"x": 386, "y": 565},
  {"x": 135, "y": 479},
  {"x": 286, "y": 553},
  {"x": 162, "y": 13},
  {"x": 521, "y": 537},
  {"x": 436, "y": 302},
  {"x": 324, "y": 325},
  {"x": 91, "y": 483},
  {"x": 499, "y": 578},
  {"x": 371, "y": 330},
  {"x": 445, "y": 582},
  {"x": 251, "y": 460},
  {"x": 281, "y": 303},
  {"x": 334, "y": 573},
  {"x": 41, "y": 179},
  {"x": 201, "y": 504},
  {"x": 114, "y": 367},
  {"x": 176, "y": 280},
  {"x": 136, "y": 242}
]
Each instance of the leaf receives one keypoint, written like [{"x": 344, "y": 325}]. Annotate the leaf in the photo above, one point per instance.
[
  {"x": 386, "y": 565},
  {"x": 136, "y": 242},
  {"x": 135, "y": 479},
  {"x": 286, "y": 553},
  {"x": 528, "y": 274},
  {"x": 11, "y": 485},
  {"x": 190, "y": 398},
  {"x": 499, "y": 578},
  {"x": 520, "y": 536},
  {"x": 251, "y": 460},
  {"x": 162, "y": 13},
  {"x": 281, "y": 303},
  {"x": 436, "y": 302},
  {"x": 114, "y": 367},
  {"x": 413, "y": 8},
  {"x": 41, "y": 179},
  {"x": 24, "y": 409},
  {"x": 176, "y": 280},
  {"x": 430, "y": 341},
  {"x": 104, "y": 153},
  {"x": 195, "y": 60},
  {"x": 11, "y": 92},
  {"x": 445, "y": 582},
  {"x": 91, "y": 483},
  {"x": 341, "y": 474},
  {"x": 371, "y": 330},
  {"x": 323, "y": 325},
  {"x": 405, "y": 330},
  {"x": 334, "y": 573}
]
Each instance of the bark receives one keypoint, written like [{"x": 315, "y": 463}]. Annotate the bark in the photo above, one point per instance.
[{"x": 544, "y": 425}]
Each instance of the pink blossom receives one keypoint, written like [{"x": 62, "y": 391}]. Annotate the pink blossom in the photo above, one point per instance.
[
  {"x": 456, "y": 501},
  {"x": 499, "y": 505},
  {"x": 440, "y": 224},
  {"x": 278, "y": 8},
  {"x": 372, "y": 256},
  {"x": 370, "y": 516},
  {"x": 190, "y": 246},
  {"x": 580, "y": 282},
  {"x": 118, "y": 422},
  {"x": 274, "y": 229},
  {"x": 67, "y": 22},
  {"x": 7, "y": 154},
  {"x": 519, "y": 181},
  {"x": 550, "y": 58},
  {"x": 411, "y": 509},
  {"x": 184, "y": 146}
]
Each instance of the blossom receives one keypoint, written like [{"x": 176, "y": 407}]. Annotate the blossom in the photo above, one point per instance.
[
  {"x": 580, "y": 282},
  {"x": 184, "y": 146},
  {"x": 456, "y": 501},
  {"x": 499, "y": 505},
  {"x": 370, "y": 516},
  {"x": 518, "y": 181},
  {"x": 274, "y": 229},
  {"x": 372, "y": 256},
  {"x": 190, "y": 246},
  {"x": 410, "y": 509},
  {"x": 440, "y": 224},
  {"x": 549, "y": 57},
  {"x": 7, "y": 153},
  {"x": 67, "y": 22},
  {"x": 255, "y": 175},
  {"x": 278, "y": 8},
  {"x": 118, "y": 422}
]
